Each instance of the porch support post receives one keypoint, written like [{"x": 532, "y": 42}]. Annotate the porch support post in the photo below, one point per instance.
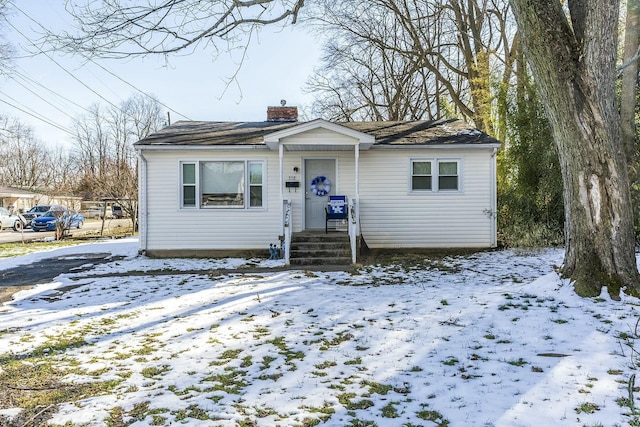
[
  {"x": 281, "y": 191},
  {"x": 357, "y": 157}
]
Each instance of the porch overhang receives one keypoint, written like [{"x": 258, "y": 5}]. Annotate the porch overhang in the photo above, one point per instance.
[{"x": 352, "y": 138}]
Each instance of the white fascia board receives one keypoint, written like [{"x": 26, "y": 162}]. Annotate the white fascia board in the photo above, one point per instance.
[{"x": 364, "y": 140}]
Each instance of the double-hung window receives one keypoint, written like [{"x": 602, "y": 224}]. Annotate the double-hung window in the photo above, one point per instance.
[
  {"x": 223, "y": 184},
  {"x": 435, "y": 175},
  {"x": 421, "y": 179},
  {"x": 448, "y": 175}
]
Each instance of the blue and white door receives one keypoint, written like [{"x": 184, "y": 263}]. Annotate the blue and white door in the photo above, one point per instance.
[{"x": 320, "y": 180}]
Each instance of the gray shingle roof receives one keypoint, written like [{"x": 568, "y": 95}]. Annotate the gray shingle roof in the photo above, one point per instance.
[{"x": 192, "y": 133}]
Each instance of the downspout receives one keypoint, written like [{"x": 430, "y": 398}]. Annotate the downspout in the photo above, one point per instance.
[
  {"x": 142, "y": 204},
  {"x": 494, "y": 198}
]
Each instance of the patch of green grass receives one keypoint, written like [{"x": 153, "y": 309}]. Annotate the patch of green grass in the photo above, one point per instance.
[
  {"x": 587, "y": 408},
  {"x": 433, "y": 416},
  {"x": 339, "y": 339},
  {"x": 232, "y": 381},
  {"x": 192, "y": 411},
  {"x": 30, "y": 384},
  {"x": 519, "y": 362},
  {"x": 390, "y": 411},
  {"x": 450, "y": 361},
  {"x": 155, "y": 371},
  {"x": 356, "y": 361},
  {"x": 226, "y": 357},
  {"x": 377, "y": 388},
  {"x": 289, "y": 355},
  {"x": 325, "y": 365},
  {"x": 8, "y": 250},
  {"x": 346, "y": 400}
]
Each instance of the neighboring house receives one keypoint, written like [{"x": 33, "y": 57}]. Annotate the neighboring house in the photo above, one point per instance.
[
  {"x": 211, "y": 188},
  {"x": 18, "y": 200}
]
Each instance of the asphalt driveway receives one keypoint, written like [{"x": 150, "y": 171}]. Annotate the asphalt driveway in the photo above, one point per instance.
[{"x": 24, "y": 276}]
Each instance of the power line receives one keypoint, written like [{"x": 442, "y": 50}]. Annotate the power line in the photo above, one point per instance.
[
  {"x": 24, "y": 76},
  {"x": 66, "y": 113},
  {"x": 93, "y": 62},
  {"x": 34, "y": 114}
]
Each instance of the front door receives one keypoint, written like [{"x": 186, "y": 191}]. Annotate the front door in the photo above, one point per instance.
[{"x": 315, "y": 202}]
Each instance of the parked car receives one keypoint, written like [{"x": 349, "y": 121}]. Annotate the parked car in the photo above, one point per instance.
[
  {"x": 47, "y": 221},
  {"x": 9, "y": 220},
  {"x": 96, "y": 212},
  {"x": 37, "y": 211},
  {"x": 118, "y": 212}
]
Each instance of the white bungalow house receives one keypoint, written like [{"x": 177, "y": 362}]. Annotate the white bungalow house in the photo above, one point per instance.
[{"x": 212, "y": 188}]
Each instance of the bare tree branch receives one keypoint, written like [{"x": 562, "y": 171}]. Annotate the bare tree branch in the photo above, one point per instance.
[{"x": 116, "y": 29}]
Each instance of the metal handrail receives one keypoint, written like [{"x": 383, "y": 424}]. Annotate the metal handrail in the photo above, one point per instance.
[
  {"x": 287, "y": 229},
  {"x": 353, "y": 228}
]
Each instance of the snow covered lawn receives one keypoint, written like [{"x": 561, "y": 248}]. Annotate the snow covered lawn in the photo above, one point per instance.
[{"x": 489, "y": 339}]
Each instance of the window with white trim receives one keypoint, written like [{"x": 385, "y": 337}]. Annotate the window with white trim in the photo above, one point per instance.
[
  {"x": 435, "y": 175},
  {"x": 421, "y": 179},
  {"x": 188, "y": 176},
  {"x": 448, "y": 175},
  {"x": 222, "y": 184}
]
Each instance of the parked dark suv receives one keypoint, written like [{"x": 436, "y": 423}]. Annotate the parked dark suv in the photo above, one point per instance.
[
  {"x": 37, "y": 211},
  {"x": 117, "y": 211}
]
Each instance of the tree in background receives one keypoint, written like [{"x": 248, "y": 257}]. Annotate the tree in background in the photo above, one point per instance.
[
  {"x": 529, "y": 180},
  {"x": 390, "y": 60},
  {"x": 104, "y": 141},
  {"x": 29, "y": 164}
]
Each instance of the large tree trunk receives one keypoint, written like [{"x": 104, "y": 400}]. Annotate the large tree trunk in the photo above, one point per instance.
[
  {"x": 574, "y": 68},
  {"x": 629, "y": 82}
]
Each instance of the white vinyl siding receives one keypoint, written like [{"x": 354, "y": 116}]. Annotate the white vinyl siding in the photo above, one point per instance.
[
  {"x": 171, "y": 227},
  {"x": 391, "y": 215}
]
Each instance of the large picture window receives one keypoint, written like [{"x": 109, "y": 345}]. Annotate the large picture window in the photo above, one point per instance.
[
  {"x": 435, "y": 175},
  {"x": 222, "y": 184}
]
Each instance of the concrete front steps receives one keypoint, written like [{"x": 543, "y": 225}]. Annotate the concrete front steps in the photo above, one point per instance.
[{"x": 320, "y": 248}]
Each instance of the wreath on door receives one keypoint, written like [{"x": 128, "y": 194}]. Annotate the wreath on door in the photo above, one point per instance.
[{"x": 320, "y": 186}]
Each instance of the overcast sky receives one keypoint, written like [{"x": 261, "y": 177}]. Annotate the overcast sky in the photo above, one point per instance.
[{"x": 194, "y": 86}]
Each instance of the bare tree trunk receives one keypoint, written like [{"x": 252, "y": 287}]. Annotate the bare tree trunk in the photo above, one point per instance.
[
  {"x": 574, "y": 67},
  {"x": 629, "y": 82}
]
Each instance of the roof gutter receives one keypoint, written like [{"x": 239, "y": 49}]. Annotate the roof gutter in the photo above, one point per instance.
[
  {"x": 173, "y": 147},
  {"x": 490, "y": 146}
]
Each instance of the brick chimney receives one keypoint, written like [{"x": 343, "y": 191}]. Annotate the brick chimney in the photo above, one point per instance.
[{"x": 282, "y": 113}]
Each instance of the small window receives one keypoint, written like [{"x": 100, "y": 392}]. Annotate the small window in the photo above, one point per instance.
[
  {"x": 421, "y": 175},
  {"x": 255, "y": 185},
  {"x": 189, "y": 184},
  {"x": 448, "y": 176}
]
